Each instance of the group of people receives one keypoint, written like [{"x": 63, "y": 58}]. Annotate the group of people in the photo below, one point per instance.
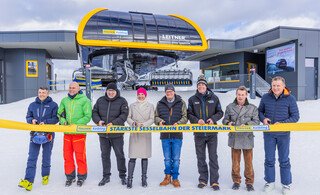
[{"x": 277, "y": 106}]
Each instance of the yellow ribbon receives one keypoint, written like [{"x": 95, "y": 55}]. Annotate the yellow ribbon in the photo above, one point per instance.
[{"x": 8, "y": 124}]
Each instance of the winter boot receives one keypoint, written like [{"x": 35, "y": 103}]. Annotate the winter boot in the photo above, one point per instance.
[
  {"x": 176, "y": 183},
  {"x": 215, "y": 187},
  {"x": 131, "y": 165},
  {"x": 25, "y": 184},
  {"x": 45, "y": 180},
  {"x": 202, "y": 184},
  {"x": 166, "y": 181},
  {"x": 235, "y": 186},
  {"x": 80, "y": 182},
  {"x": 144, "y": 168},
  {"x": 69, "y": 182},
  {"x": 123, "y": 181},
  {"x": 250, "y": 187},
  {"x": 103, "y": 181}
]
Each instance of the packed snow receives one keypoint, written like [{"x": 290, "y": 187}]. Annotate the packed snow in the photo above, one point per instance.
[{"x": 305, "y": 157}]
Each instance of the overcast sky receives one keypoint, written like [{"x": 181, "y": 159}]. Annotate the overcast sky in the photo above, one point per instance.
[{"x": 225, "y": 19}]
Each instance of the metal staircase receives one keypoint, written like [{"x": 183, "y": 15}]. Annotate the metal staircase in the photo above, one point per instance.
[{"x": 262, "y": 86}]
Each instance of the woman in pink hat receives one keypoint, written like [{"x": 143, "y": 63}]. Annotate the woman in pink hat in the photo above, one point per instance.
[{"x": 141, "y": 113}]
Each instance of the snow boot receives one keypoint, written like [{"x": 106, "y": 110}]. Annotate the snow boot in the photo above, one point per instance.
[
  {"x": 250, "y": 187},
  {"x": 123, "y": 181},
  {"x": 215, "y": 187},
  {"x": 80, "y": 182},
  {"x": 202, "y": 184},
  {"x": 131, "y": 165},
  {"x": 235, "y": 186},
  {"x": 69, "y": 182},
  {"x": 144, "y": 168},
  {"x": 45, "y": 180},
  {"x": 25, "y": 184}
]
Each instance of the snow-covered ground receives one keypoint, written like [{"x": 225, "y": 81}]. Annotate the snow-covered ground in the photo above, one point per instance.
[{"x": 305, "y": 158}]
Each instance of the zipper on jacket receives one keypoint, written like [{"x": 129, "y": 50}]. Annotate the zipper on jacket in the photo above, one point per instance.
[
  {"x": 44, "y": 111},
  {"x": 41, "y": 111},
  {"x": 108, "y": 112},
  {"x": 71, "y": 108},
  {"x": 170, "y": 114},
  {"x": 274, "y": 110}
]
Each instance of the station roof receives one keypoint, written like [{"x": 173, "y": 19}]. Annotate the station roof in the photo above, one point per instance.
[
  {"x": 255, "y": 44},
  {"x": 60, "y": 44}
]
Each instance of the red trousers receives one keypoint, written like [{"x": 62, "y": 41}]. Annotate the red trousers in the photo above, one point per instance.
[{"x": 75, "y": 144}]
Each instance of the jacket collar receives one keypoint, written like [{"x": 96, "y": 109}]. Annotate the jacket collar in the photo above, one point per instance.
[
  {"x": 286, "y": 92},
  {"x": 46, "y": 101},
  {"x": 75, "y": 96},
  {"x": 245, "y": 103},
  {"x": 177, "y": 98}
]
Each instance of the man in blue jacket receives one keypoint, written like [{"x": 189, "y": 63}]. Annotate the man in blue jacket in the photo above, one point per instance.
[
  {"x": 42, "y": 111},
  {"x": 278, "y": 106}
]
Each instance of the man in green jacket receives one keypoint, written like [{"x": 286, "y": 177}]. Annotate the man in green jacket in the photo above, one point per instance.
[{"x": 75, "y": 109}]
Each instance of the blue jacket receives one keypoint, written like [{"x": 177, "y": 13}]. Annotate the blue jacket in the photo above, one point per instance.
[
  {"x": 282, "y": 110},
  {"x": 45, "y": 111}
]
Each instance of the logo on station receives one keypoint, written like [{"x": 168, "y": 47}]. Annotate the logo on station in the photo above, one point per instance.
[
  {"x": 174, "y": 37},
  {"x": 115, "y": 32}
]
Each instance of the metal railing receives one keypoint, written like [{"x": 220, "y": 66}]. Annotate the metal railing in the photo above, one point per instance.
[
  {"x": 262, "y": 86},
  {"x": 232, "y": 82},
  {"x": 229, "y": 82},
  {"x": 59, "y": 85}
]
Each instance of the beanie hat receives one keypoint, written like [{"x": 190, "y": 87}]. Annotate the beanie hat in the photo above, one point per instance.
[
  {"x": 112, "y": 86},
  {"x": 169, "y": 86},
  {"x": 142, "y": 90},
  {"x": 202, "y": 79}
]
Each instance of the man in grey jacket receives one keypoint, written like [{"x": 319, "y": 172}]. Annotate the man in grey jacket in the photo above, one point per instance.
[{"x": 239, "y": 113}]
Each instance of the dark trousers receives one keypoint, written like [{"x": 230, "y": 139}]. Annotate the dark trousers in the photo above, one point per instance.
[
  {"x": 117, "y": 145},
  {"x": 34, "y": 150},
  {"x": 282, "y": 142},
  {"x": 201, "y": 143},
  {"x": 248, "y": 167}
]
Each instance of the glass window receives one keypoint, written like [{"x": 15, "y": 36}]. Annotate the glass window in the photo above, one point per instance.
[
  {"x": 224, "y": 72},
  {"x": 138, "y": 27},
  {"x": 151, "y": 28}
]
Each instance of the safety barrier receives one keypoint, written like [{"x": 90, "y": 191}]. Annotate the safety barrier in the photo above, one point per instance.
[{"x": 281, "y": 127}]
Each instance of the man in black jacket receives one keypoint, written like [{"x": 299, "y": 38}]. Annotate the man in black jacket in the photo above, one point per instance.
[
  {"x": 204, "y": 108},
  {"x": 111, "y": 109}
]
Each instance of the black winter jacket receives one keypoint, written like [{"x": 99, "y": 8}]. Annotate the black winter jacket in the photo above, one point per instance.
[
  {"x": 176, "y": 113},
  {"x": 207, "y": 106},
  {"x": 113, "y": 111}
]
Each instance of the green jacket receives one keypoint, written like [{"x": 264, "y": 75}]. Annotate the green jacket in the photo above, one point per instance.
[{"x": 76, "y": 111}]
